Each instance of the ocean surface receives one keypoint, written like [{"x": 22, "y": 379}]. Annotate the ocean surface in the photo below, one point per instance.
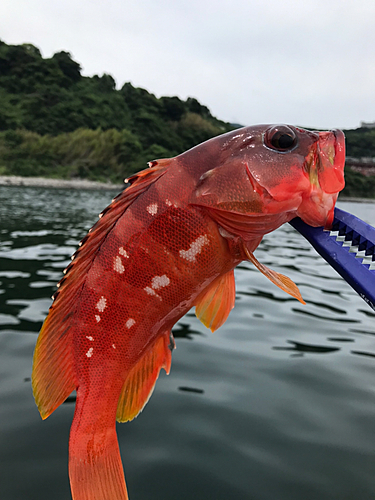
[{"x": 279, "y": 404}]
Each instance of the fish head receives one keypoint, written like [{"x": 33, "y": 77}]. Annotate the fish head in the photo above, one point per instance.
[{"x": 276, "y": 172}]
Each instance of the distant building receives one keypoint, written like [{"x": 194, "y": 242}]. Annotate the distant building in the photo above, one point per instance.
[
  {"x": 367, "y": 124},
  {"x": 364, "y": 165}
]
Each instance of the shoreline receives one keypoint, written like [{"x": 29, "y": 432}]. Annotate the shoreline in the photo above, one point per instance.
[
  {"x": 355, "y": 200},
  {"x": 16, "y": 180}
]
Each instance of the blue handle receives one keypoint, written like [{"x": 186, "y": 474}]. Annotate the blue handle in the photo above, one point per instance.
[{"x": 349, "y": 248}]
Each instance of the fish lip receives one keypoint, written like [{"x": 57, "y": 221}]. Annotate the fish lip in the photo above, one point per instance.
[
  {"x": 336, "y": 139},
  {"x": 331, "y": 161},
  {"x": 325, "y": 168},
  {"x": 339, "y": 147}
]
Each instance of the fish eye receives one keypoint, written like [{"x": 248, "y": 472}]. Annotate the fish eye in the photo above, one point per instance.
[{"x": 280, "y": 138}]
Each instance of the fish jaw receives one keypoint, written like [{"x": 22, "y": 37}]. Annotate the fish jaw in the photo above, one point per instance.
[
  {"x": 325, "y": 169},
  {"x": 331, "y": 147},
  {"x": 318, "y": 209}
]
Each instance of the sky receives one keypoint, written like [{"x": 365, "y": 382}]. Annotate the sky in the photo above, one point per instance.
[{"x": 304, "y": 62}]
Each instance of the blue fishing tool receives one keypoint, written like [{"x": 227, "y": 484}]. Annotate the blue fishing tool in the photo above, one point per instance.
[{"x": 349, "y": 247}]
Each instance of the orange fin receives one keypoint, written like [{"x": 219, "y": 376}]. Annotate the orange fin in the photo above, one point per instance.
[
  {"x": 156, "y": 167},
  {"x": 100, "y": 476},
  {"x": 53, "y": 376},
  {"x": 95, "y": 468},
  {"x": 141, "y": 380},
  {"x": 278, "y": 279},
  {"x": 216, "y": 302}
]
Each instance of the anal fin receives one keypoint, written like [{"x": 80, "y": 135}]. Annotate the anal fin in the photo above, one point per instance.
[
  {"x": 216, "y": 302},
  {"x": 141, "y": 379}
]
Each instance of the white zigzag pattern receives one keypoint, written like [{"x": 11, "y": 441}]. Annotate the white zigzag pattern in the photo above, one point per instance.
[{"x": 359, "y": 254}]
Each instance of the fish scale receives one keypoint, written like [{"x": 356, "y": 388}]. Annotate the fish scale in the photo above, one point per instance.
[{"x": 167, "y": 243}]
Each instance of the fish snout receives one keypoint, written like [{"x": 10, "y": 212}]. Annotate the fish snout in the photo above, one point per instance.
[
  {"x": 325, "y": 166},
  {"x": 331, "y": 154}
]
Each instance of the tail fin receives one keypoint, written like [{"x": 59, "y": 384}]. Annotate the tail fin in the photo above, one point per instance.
[{"x": 95, "y": 467}]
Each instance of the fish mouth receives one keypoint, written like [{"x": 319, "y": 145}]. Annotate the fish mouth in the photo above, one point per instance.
[
  {"x": 325, "y": 167},
  {"x": 331, "y": 150}
]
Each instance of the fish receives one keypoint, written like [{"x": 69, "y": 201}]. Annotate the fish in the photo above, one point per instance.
[{"x": 167, "y": 243}]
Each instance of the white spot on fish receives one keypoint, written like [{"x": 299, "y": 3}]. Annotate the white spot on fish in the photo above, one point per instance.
[
  {"x": 151, "y": 291},
  {"x": 102, "y": 304},
  {"x": 123, "y": 252},
  {"x": 90, "y": 338},
  {"x": 152, "y": 209},
  {"x": 157, "y": 282},
  {"x": 113, "y": 345},
  {"x": 169, "y": 203},
  {"x": 97, "y": 317},
  {"x": 195, "y": 248},
  {"x": 160, "y": 282},
  {"x": 118, "y": 265},
  {"x": 130, "y": 323},
  {"x": 89, "y": 352}
]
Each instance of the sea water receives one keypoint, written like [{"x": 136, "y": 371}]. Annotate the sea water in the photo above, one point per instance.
[{"x": 279, "y": 404}]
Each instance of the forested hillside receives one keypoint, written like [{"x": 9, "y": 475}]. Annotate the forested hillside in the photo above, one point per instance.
[
  {"x": 360, "y": 143},
  {"x": 54, "y": 122}
]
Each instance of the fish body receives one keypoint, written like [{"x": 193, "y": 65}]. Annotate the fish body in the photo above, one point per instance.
[{"x": 167, "y": 243}]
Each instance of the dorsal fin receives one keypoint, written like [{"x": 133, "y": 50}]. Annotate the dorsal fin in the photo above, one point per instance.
[
  {"x": 53, "y": 376},
  {"x": 141, "y": 380},
  {"x": 89, "y": 246}
]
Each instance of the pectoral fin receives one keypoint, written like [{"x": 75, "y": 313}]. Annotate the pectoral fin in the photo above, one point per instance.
[
  {"x": 278, "y": 279},
  {"x": 216, "y": 302}
]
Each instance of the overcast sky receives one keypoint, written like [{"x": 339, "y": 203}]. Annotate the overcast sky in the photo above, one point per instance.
[{"x": 304, "y": 62}]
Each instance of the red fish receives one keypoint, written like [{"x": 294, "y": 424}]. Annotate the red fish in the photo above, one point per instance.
[{"x": 167, "y": 243}]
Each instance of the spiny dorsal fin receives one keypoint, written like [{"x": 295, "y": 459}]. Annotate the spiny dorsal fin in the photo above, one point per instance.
[
  {"x": 141, "y": 380},
  {"x": 216, "y": 302},
  {"x": 53, "y": 377}
]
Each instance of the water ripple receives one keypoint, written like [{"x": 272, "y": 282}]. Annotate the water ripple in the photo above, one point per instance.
[{"x": 278, "y": 403}]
